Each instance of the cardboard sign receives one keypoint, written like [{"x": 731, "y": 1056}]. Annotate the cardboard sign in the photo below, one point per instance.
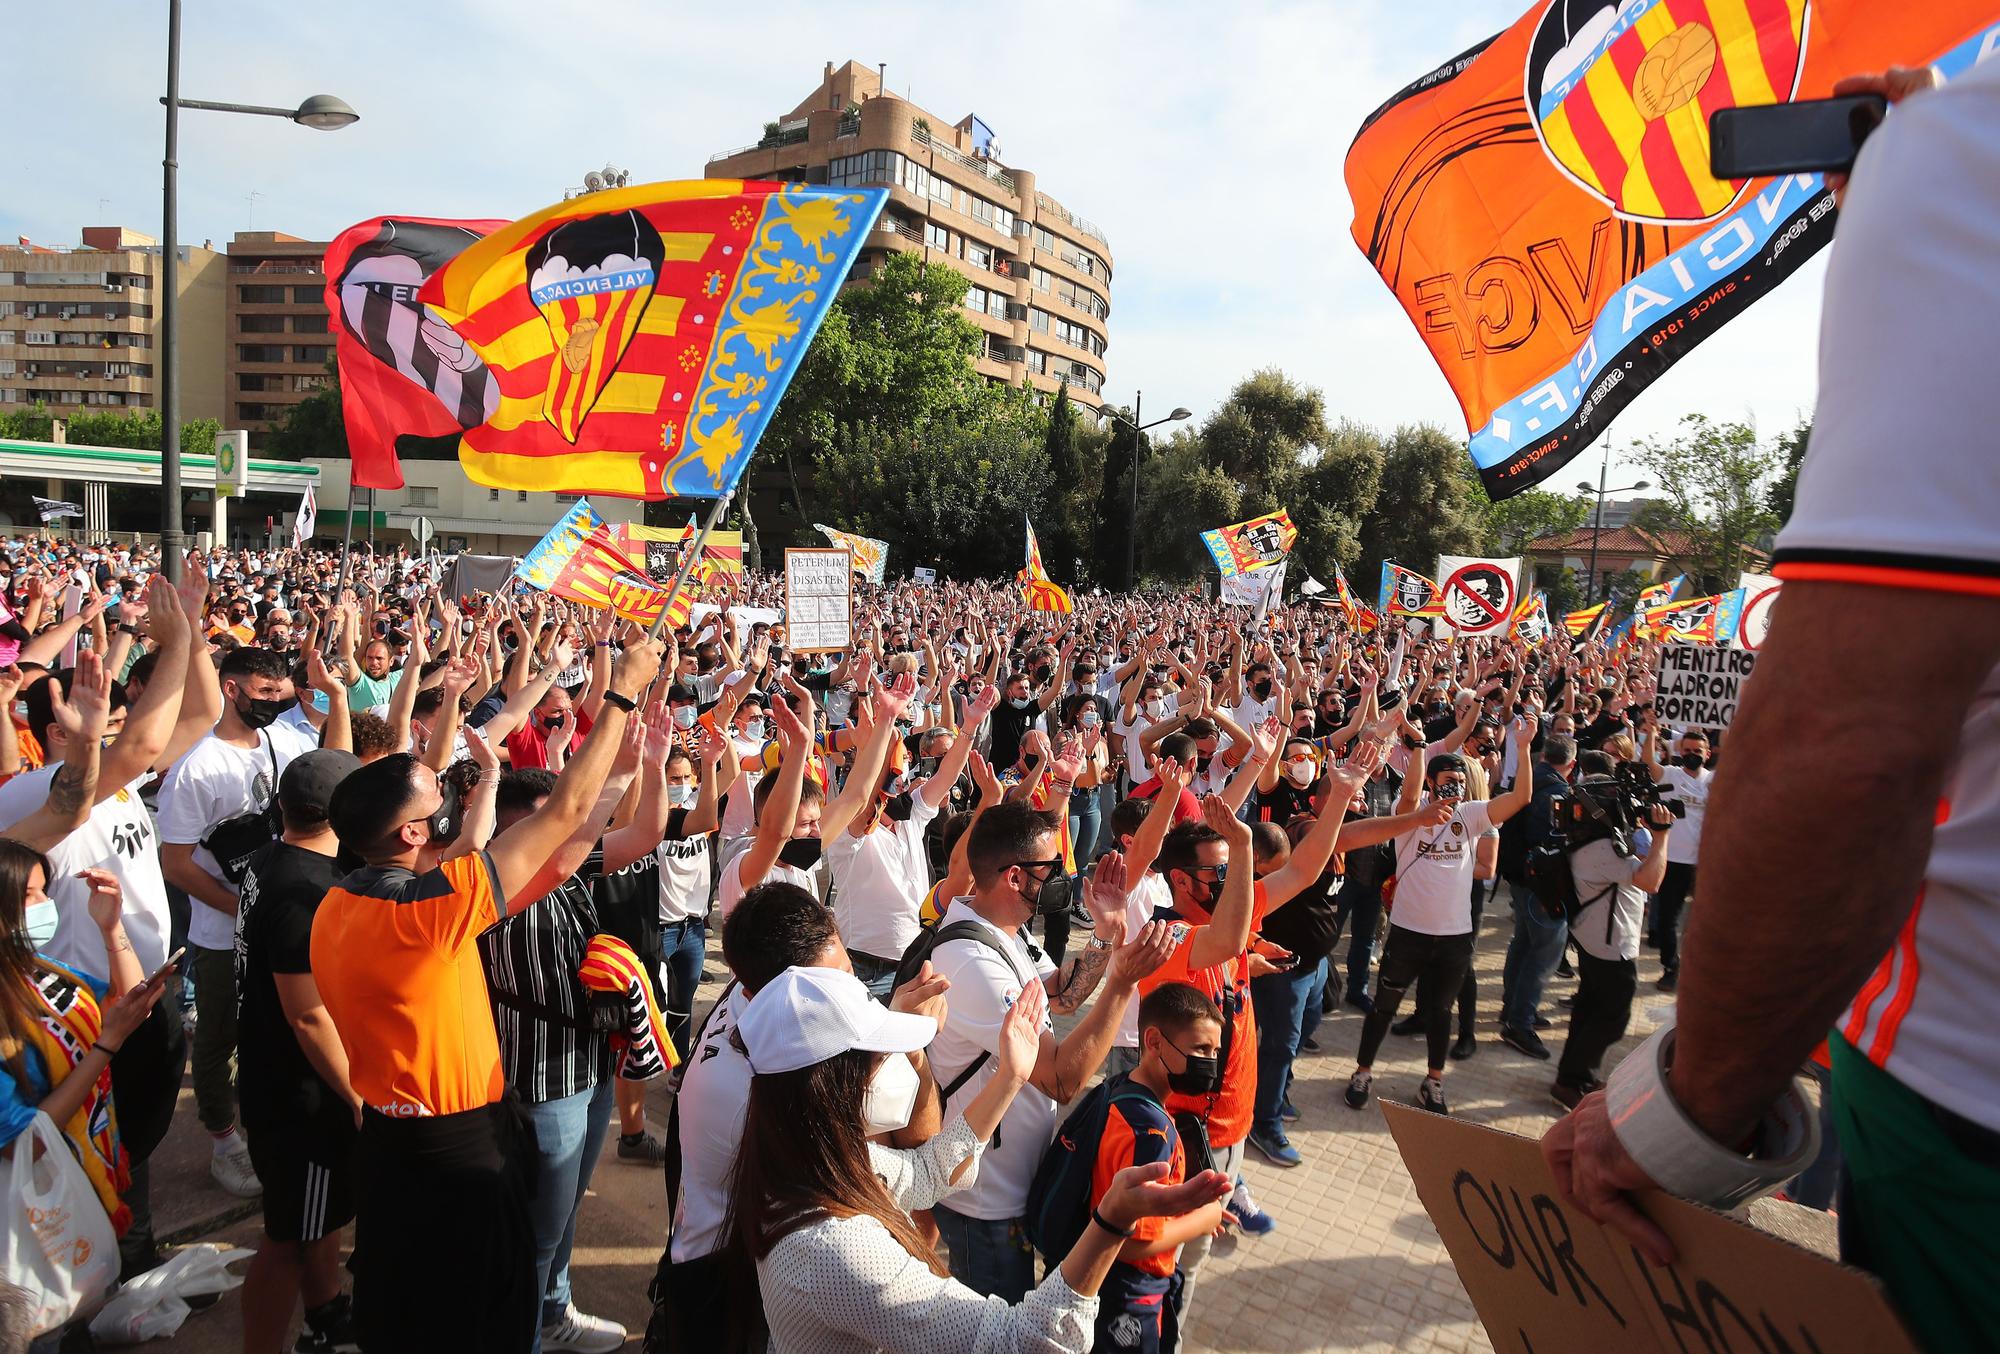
[
  {"x": 1700, "y": 684},
  {"x": 1547, "y": 1279},
  {"x": 922, "y": 575},
  {"x": 819, "y": 600}
]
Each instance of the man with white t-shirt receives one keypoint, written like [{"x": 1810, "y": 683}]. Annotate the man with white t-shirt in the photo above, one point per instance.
[
  {"x": 209, "y": 808},
  {"x": 880, "y": 864},
  {"x": 1430, "y": 929},
  {"x": 1012, "y": 853},
  {"x": 1889, "y": 623},
  {"x": 173, "y": 713},
  {"x": 1686, "y": 780}
]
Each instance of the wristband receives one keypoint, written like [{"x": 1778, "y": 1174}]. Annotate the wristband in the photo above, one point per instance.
[
  {"x": 1122, "y": 1233},
  {"x": 127, "y": 628},
  {"x": 1680, "y": 1157},
  {"x": 101, "y": 1047},
  {"x": 625, "y": 703},
  {"x": 1097, "y": 942}
]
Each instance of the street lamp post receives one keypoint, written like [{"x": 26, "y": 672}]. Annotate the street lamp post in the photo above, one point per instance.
[
  {"x": 322, "y": 112},
  {"x": 1132, "y": 530},
  {"x": 1597, "y": 519}
]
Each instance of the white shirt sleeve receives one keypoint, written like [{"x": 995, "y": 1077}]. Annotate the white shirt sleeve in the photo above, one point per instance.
[
  {"x": 187, "y": 805},
  {"x": 918, "y": 1177}
]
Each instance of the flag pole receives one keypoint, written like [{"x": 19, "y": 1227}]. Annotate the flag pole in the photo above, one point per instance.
[
  {"x": 690, "y": 561},
  {"x": 346, "y": 547}
]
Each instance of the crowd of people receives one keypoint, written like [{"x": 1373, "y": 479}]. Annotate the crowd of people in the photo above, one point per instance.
[{"x": 444, "y": 870}]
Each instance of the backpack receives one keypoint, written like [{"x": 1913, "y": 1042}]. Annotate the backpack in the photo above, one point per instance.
[
  {"x": 1546, "y": 872},
  {"x": 919, "y": 951},
  {"x": 1059, "y": 1201}
]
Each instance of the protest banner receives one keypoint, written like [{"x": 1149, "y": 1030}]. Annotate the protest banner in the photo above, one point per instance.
[
  {"x": 1479, "y": 594},
  {"x": 1700, "y": 684},
  {"x": 1547, "y": 1279},
  {"x": 920, "y": 574},
  {"x": 1760, "y": 594},
  {"x": 819, "y": 600}
]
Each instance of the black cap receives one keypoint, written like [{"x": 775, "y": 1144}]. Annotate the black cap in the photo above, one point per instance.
[
  {"x": 306, "y": 789},
  {"x": 684, "y": 693}
]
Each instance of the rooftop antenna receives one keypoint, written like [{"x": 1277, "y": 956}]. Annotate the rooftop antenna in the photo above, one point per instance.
[{"x": 252, "y": 200}]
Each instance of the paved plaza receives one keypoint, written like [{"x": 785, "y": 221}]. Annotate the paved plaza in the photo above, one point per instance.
[{"x": 1353, "y": 1265}]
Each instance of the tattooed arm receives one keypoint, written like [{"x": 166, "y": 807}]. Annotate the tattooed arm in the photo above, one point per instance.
[{"x": 73, "y": 789}]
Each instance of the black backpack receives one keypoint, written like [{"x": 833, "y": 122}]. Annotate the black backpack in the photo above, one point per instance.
[
  {"x": 919, "y": 951},
  {"x": 1059, "y": 1200}
]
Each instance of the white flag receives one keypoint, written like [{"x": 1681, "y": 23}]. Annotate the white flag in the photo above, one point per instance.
[{"x": 306, "y": 519}]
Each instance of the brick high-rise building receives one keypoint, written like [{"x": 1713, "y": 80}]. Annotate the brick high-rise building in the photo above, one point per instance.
[
  {"x": 1040, "y": 274},
  {"x": 278, "y": 338},
  {"x": 79, "y": 328}
]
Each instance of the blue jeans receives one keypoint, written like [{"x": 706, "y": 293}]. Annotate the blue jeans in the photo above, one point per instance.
[
  {"x": 1086, "y": 815},
  {"x": 569, "y": 1134},
  {"x": 683, "y": 945},
  {"x": 1360, "y": 910},
  {"x": 1287, "y": 1007},
  {"x": 992, "y": 1257},
  {"x": 878, "y": 975},
  {"x": 1532, "y": 955}
]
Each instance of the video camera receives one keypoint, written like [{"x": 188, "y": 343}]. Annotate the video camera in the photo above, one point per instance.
[{"x": 1599, "y": 807}]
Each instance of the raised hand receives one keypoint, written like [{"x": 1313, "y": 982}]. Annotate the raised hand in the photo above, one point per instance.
[
  {"x": 1264, "y": 742},
  {"x": 1106, "y": 891},
  {"x": 891, "y": 700},
  {"x": 1234, "y": 830},
  {"x": 482, "y": 751},
  {"x": 1142, "y": 955},
  {"x": 83, "y": 712},
  {"x": 1021, "y": 1033},
  {"x": 924, "y": 995},
  {"x": 634, "y": 670},
  {"x": 792, "y": 733},
  {"x": 710, "y": 744},
  {"x": 107, "y": 897},
  {"x": 1068, "y": 760},
  {"x": 990, "y": 792}
]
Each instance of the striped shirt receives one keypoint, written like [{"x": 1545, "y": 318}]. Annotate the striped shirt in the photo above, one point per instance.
[{"x": 541, "y": 1011}]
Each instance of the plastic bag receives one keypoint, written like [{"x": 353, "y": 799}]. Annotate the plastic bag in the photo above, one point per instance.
[
  {"x": 155, "y": 1303},
  {"x": 56, "y": 1241}
]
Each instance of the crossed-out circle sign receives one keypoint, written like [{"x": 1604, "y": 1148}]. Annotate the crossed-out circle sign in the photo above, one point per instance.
[
  {"x": 1479, "y": 597},
  {"x": 1756, "y": 620}
]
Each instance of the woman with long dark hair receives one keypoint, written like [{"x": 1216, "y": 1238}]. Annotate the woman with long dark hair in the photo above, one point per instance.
[
  {"x": 823, "y": 1209},
  {"x": 57, "y": 1034}
]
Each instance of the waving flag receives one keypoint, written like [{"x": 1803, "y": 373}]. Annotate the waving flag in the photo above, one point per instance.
[
  {"x": 1531, "y": 619},
  {"x": 1542, "y": 209},
  {"x": 1696, "y": 620},
  {"x": 1256, "y": 544},
  {"x": 870, "y": 556},
  {"x": 663, "y": 548},
  {"x": 404, "y": 375},
  {"x": 1658, "y": 595},
  {"x": 577, "y": 559},
  {"x": 1590, "y": 618},
  {"x": 1037, "y": 589},
  {"x": 305, "y": 520},
  {"x": 1345, "y": 594},
  {"x": 1406, "y": 592},
  {"x": 641, "y": 338}
]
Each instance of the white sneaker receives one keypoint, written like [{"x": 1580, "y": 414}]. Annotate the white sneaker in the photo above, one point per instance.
[
  {"x": 583, "y": 1333},
  {"x": 232, "y": 1170}
]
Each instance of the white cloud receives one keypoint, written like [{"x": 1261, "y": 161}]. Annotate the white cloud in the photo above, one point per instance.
[{"x": 1205, "y": 140}]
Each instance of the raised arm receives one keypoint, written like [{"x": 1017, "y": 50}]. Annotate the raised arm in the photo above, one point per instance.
[
  {"x": 1228, "y": 931},
  {"x": 149, "y": 724},
  {"x": 858, "y": 794},
  {"x": 632, "y": 841},
  {"x": 1255, "y": 768},
  {"x": 937, "y": 789},
  {"x": 781, "y": 808},
  {"x": 1505, "y": 806},
  {"x": 82, "y": 716}
]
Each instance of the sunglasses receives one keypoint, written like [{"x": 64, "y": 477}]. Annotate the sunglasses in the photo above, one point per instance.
[
  {"x": 1049, "y": 866},
  {"x": 1220, "y": 872}
]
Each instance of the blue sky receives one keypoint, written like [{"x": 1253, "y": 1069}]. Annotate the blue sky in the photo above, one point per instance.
[{"x": 1187, "y": 132}]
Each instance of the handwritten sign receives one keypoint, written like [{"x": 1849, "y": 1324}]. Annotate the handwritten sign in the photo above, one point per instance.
[
  {"x": 1700, "y": 684},
  {"x": 819, "y": 600},
  {"x": 1546, "y": 1279}
]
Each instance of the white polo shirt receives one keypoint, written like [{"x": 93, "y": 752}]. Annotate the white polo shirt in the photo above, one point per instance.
[
  {"x": 714, "y": 1094},
  {"x": 983, "y": 988},
  {"x": 1901, "y": 489},
  {"x": 119, "y": 836},
  {"x": 879, "y": 882}
]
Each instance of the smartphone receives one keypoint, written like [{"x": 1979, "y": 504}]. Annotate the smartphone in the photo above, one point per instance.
[
  {"x": 1789, "y": 138},
  {"x": 163, "y": 970}
]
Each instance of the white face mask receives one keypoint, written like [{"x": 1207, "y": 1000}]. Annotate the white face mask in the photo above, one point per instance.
[
  {"x": 1156, "y": 709},
  {"x": 891, "y": 1097},
  {"x": 38, "y": 920},
  {"x": 753, "y": 730},
  {"x": 685, "y": 716},
  {"x": 1300, "y": 772},
  {"x": 682, "y": 796}
]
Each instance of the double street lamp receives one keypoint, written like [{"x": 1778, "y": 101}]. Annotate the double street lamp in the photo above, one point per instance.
[
  {"x": 321, "y": 112},
  {"x": 1597, "y": 519},
  {"x": 1132, "y": 531}
]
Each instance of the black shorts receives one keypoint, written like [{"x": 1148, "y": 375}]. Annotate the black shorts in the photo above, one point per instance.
[{"x": 308, "y": 1178}]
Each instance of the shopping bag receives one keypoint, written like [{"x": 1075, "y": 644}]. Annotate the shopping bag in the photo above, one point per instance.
[
  {"x": 56, "y": 1242},
  {"x": 154, "y": 1304}
]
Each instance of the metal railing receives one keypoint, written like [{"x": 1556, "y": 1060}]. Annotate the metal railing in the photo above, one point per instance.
[
  {"x": 985, "y": 168},
  {"x": 1048, "y": 206},
  {"x": 243, "y": 268}
]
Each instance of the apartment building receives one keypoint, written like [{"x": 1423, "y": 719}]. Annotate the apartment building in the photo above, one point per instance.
[
  {"x": 1039, "y": 274},
  {"x": 80, "y": 328},
  {"x": 278, "y": 340}
]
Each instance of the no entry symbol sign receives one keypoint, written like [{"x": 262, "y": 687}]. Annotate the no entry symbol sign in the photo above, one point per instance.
[{"x": 1479, "y": 598}]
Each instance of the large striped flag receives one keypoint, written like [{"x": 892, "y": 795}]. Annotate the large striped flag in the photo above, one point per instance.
[
  {"x": 1258, "y": 543},
  {"x": 1037, "y": 589},
  {"x": 1659, "y": 594},
  {"x": 1345, "y": 594},
  {"x": 870, "y": 556},
  {"x": 405, "y": 377},
  {"x": 577, "y": 559},
  {"x": 1405, "y": 592},
  {"x": 641, "y": 337},
  {"x": 1576, "y": 622},
  {"x": 1696, "y": 620}
]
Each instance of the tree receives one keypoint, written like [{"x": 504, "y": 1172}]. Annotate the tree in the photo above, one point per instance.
[
  {"x": 1074, "y": 490},
  {"x": 1792, "y": 449},
  {"x": 1180, "y": 495},
  {"x": 1114, "y": 503},
  {"x": 1507, "y": 527},
  {"x": 1332, "y": 496},
  {"x": 1714, "y": 480},
  {"x": 137, "y": 429},
  {"x": 1427, "y": 506},
  {"x": 1264, "y": 434},
  {"x": 315, "y": 426}
]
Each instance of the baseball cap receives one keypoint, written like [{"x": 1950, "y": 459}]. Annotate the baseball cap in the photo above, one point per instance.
[
  {"x": 683, "y": 693},
  {"x": 807, "y": 1015},
  {"x": 306, "y": 789}
]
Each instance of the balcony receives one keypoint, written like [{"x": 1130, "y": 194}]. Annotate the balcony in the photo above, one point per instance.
[
  {"x": 984, "y": 168},
  {"x": 268, "y": 269},
  {"x": 1048, "y": 206},
  {"x": 896, "y": 225}
]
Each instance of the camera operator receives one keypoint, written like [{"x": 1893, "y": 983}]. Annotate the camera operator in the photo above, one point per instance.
[{"x": 1612, "y": 882}]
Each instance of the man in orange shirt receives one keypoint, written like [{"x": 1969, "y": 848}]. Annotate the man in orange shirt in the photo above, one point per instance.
[{"x": 441, "y": 1161}]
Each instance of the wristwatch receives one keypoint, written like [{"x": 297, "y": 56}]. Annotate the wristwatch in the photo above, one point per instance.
[
  {"x": 1097, "y": 942},
  {"x": 625, "y": 703},
  {"x": 127, "y": 628},
  {"x": 1680, "y": 1157}
]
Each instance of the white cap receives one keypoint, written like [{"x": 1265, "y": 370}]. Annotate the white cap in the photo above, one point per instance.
[{"x": 807, "y": 1015}]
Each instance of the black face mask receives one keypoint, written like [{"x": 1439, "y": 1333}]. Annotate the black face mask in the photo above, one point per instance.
[
  {"x": 1691, "y": 761},
  {"x": 1201, "y": 1076},
  {"x": 1261, "y": 690},
  {"x": 801, "y": 853},
  {"x": 449, "y": 818},
  {"x": 259, "y": 714},
  {"x": 1050, "y": 898}
]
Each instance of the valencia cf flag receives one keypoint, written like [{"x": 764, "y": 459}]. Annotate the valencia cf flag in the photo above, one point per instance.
[
  {"x": 1405, "y": 592},
  {"x": 404, "y": 375}
]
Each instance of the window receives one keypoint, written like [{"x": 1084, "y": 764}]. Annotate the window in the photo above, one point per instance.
[
  {"x": 914, "y": 177},
  {"x": 1039, "y": 279},
  {"x": 975, "y": 298},
  {"x": 421, "y": 496},
  {"x": 567, "y": 498},
  {"x": 978, "y": 255},
  {"x": 1038, "y": 320},
  {"x": 303, "y": 384},
  {"x": 936, "y": 236},
  {"x": 250, "y": 413},
  {"x": 41, "y": 337},
  {"x": 492, "y": 495},
  {"x": 315, "y": 355},
  {"x": 6, "y": 366},
  {"x": 309, "y": 324},
  {"x": 1038, "y": 360},
  {"x": 940, "y": 190},
  {"x": 258, "y": 352},
  {"x": 874, "y": 166},
  {"x": 1044, "y": 241},
  {"x": 261, "y": 296},
  {"x": 8, "y": 336},
  {"x": 996, "y": 304},
  {"x": 262, "y": 324},
  {"x": 520, "y": 495},
  {"x": 306, "y": 296},
  {"x": 249, "y": 380},
  {"x": 999, "y": 218}
]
